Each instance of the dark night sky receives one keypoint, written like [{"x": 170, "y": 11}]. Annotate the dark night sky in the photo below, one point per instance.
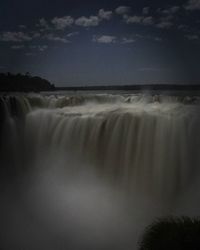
[{"x": 73, "y": 42}]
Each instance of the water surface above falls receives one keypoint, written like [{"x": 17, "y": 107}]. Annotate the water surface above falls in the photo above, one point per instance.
[{"x": 94, "y": 169}]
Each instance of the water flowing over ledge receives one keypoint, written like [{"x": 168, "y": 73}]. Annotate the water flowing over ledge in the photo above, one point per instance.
[{"x": 146, "y": 146}]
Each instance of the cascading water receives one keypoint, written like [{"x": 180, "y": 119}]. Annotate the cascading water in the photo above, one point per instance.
[{"x": 90, "y": 171}]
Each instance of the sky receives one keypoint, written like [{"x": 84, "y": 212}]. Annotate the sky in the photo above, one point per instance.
[{"x": 107, "y": 42}]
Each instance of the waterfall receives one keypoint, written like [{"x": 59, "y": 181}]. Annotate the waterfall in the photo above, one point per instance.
[{"x": 143, "y": 148}]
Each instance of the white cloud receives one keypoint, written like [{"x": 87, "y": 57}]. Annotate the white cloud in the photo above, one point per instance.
[
  {"x": 14, "y": 37},
  {"x": 174, "y": 9},
  {"x": 169, "y": 11},
  {"x": 54, "y": 38},
  {"x": 104, "y": 39},
  {"x": 29, "y": 54},
  {"x": 127, "y": 40},
  {"x": 22, "y": 26},
  {"x": 151, "y": 69},
  {"x": 88, "y": 21},
  {"x": 145, "y": 10},
  {"x": 16, "y": 47},
  {"x": 105, "y": 14},
  {"x": 193, "y": 5},
  {"x": 134, "y": 19},
  {"x": 33, "y": 46},
  {"x": 183, "y": 27},
  {"x": 43, "y": 24},
  {"x": 60, "y": 23},
  {"x": 39, "y": 47},
  {"x": 122, "y": 10},
  {"x": 167, "y": 18},
  {"x": 139, "y": 20},
  {"x": 35, "y": 34},
  {"x": 148, "y": 20},
  {"x": 72, "y": 34},
  {"x": 42, "y": 47},
  {"x": 157, "y": 39},
  {"x": 192, "y": 37},
  {"x": 164, "y": 25}
]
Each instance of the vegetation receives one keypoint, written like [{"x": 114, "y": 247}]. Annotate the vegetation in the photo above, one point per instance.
[
  {"x": 26, "y": 83},
  {"x": 172, "y": 234},
  {"x": 23, "y": 83},
  {"x": 137, "y": 87}
]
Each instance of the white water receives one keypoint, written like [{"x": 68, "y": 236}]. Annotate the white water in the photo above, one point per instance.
[{"x": 91, "y": 171}]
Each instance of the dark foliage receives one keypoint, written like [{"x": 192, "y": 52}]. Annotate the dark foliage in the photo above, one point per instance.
[
  {"x": 172, "y": 233},
  {"x": 138, "y": 87},
  {"x": 23, "y": 83}
]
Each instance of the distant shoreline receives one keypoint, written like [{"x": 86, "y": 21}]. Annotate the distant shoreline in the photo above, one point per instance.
[
  {"x": 146, "y": 87},
  {"x": 27, "y": 83}
]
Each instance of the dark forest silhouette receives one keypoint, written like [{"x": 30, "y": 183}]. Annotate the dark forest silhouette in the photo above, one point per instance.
[
  {"x": 23, "y": 83},
  {"x": 26, "y": 83}
]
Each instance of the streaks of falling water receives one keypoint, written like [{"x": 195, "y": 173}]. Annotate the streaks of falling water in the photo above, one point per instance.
[{"x": 147, "y": 146}]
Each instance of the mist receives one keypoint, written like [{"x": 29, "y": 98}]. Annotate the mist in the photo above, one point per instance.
[{"x": 91, "y": 172}]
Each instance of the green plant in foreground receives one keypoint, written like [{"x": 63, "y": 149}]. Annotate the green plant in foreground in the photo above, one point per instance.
[{"x": 172, "y": 233}]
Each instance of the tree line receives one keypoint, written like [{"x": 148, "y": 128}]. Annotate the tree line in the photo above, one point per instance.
[{"x": 23, "y": 83}]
